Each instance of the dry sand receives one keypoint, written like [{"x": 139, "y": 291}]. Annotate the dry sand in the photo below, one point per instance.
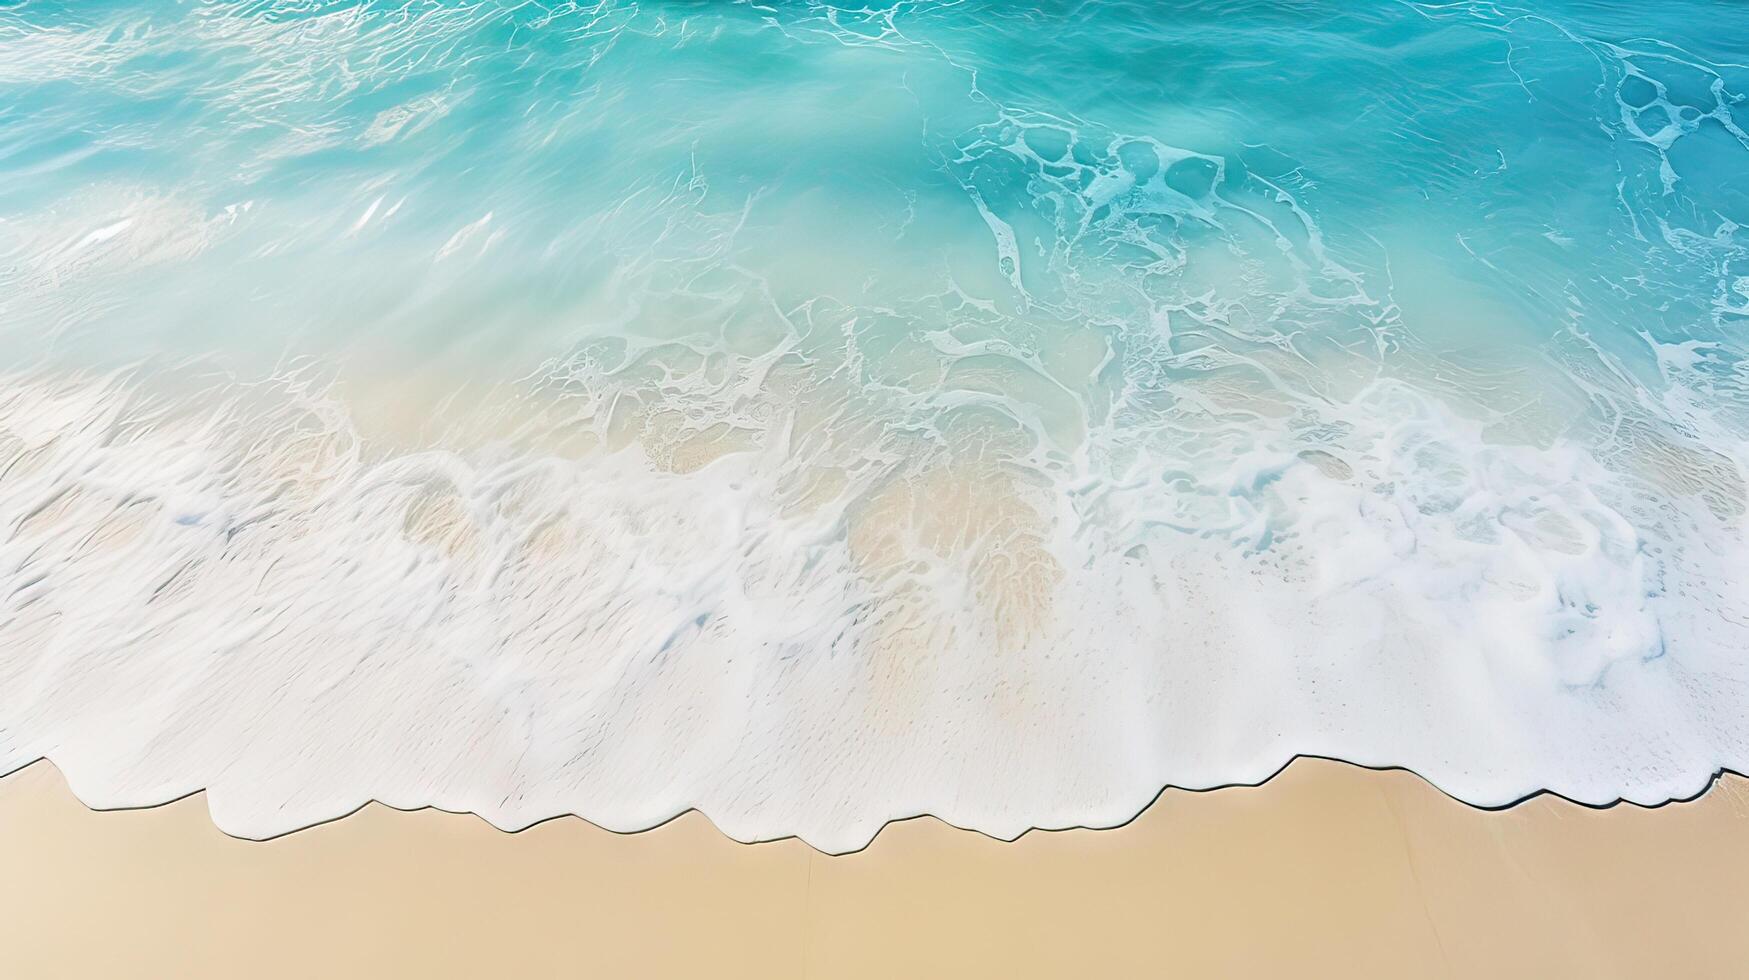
[{"x": 1327, "y": 870}]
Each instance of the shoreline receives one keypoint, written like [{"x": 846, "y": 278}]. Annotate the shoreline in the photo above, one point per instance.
[
  {"x": 1325, "y": 867},
  {"x": 1709, "y": 785}
]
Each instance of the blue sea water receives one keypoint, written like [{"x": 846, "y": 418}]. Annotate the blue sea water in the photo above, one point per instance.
[{"x": 823, "y": 414}]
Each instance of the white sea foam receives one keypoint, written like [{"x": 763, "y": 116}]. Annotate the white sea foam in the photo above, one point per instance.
[{"x": 233, "y": 595}]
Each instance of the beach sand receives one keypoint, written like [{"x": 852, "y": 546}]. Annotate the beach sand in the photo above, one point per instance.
[{"x": 1326, "y": 870}]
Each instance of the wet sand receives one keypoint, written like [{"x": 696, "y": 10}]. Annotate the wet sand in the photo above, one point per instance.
[{"x": 1326, "y": 870}]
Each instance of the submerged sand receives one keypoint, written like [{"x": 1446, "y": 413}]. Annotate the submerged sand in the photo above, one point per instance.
[{"x": 1326, "y": 870}]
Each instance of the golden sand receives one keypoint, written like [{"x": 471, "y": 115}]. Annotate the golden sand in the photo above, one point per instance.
[{"x": 1326, "y": 870}]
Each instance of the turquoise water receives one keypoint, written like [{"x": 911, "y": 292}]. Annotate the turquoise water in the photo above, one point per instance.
[{"x": 986, "y": 409}]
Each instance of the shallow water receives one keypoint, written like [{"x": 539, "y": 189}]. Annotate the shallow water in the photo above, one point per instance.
[{"x": 820, "y": 415}]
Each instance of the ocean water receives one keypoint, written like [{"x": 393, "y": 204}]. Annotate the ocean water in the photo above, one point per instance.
[{"x": 819, "y": 415}]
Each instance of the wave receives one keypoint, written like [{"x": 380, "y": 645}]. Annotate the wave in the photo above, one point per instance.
[{"x": 234, "y": 597}]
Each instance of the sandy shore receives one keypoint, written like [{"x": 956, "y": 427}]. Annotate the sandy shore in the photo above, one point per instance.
[{"x": 1326, "y": 870}]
